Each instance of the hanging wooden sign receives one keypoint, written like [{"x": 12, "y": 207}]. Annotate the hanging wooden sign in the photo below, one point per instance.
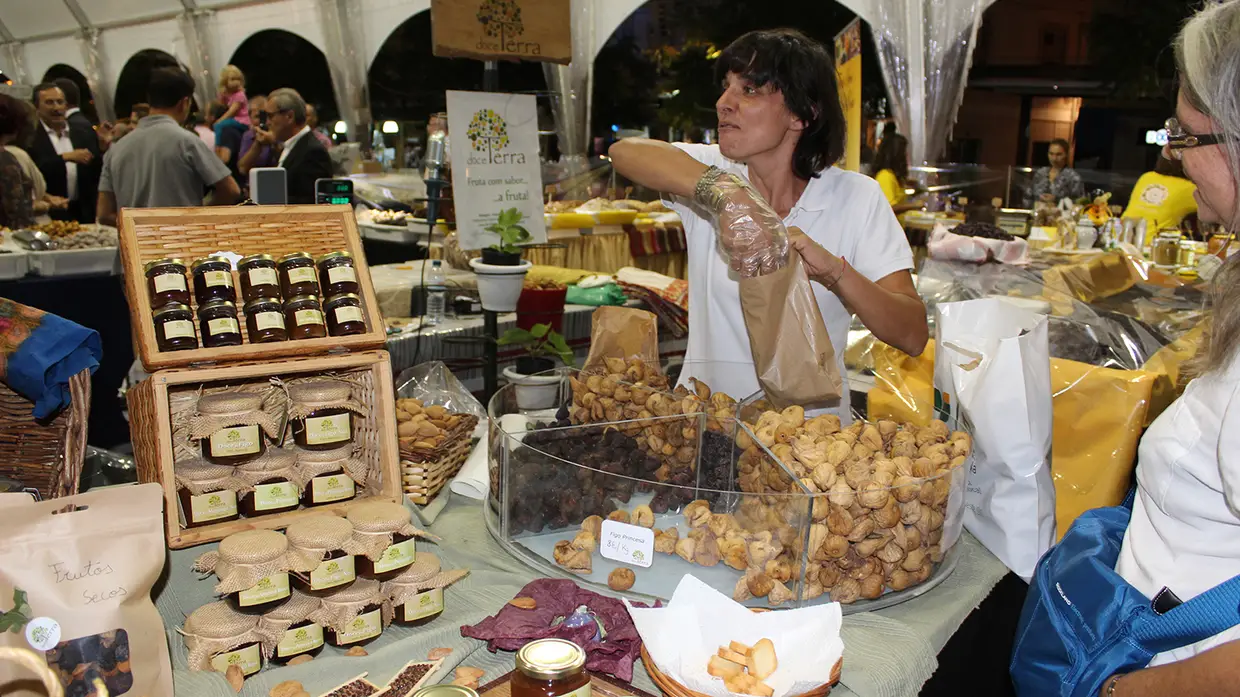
[{"x": 537, "y": 30}]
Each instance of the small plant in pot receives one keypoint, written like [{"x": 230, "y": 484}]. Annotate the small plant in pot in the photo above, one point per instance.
[
  {"x": 536, "y": 386},
  {"x": 507, "y": 251}
]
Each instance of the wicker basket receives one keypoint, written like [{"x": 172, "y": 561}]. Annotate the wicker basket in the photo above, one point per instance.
[
  {"x": 423, "y": 480},
  {"x": 37, "y": 664},
  {"x": 45, "y": 456},
  {"x": 674, "y": 689}
]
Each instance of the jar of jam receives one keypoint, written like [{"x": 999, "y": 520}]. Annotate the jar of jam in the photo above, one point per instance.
[
  {"x": 321, "y": 414},
  {"x": 241, "y": 558},
  {"x": 326, "y": 474},
  {"x": 298, "y": 275},
  {"x": 207, "y": 493},
  {"x": 289, "y": 630},
  {"x": 551, "y": 668},
  {"x": 322, "y": 565},
  {"x": 264, "y": 320},
  {"x": 259, "y": 278},
  {"x": 344, "y": 315},
  {"x": 276, "y": 484},
  {"x": 217, "y": 320},
  {"x": 416, "y": 595},
  {"x": 303, "y": 318},
  {"x": 174, "y": 328},
  {"x": 359, "y": 609},
  {"x": 165, "y": 282},
  {"x": 337, "y": 274},
  {"x": 217, "y": 637},
  {"x": 233, "y": 422},
  {"x": 383, "y": 530},
  {"x": 446, "y": 691},
  {"x": 213, "y": 280}
]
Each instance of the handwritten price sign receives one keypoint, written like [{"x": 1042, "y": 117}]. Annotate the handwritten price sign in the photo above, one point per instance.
[{"x": 627, "y": 544}]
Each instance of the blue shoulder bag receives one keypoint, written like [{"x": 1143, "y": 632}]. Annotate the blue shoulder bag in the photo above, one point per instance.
[{"x": 1083, "y": 623}]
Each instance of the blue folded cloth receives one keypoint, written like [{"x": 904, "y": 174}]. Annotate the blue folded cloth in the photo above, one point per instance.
[{"x": 39, "y": 352}]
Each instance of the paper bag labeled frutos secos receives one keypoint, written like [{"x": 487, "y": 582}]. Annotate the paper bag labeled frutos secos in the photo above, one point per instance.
[{"x": 792, "y": 351}]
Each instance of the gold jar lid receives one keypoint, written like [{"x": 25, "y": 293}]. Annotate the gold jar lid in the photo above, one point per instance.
[
  {"x": 256, "y": 302},
  {"x": 335, "y": 255},
  {"x": 255, "y": 257},
  {"x": 208, "y": 260},
  {"x": 551, "y": 659},
  {"x": 301, "y": 299},
  {"x": 214, "y": 304},
  {"x": 446, "y": 691},
  {"x": 339, "y": 298},
  {"x": 294, "y": 256},
  {"x": 146, "y": 268},
  {"x": 171, "y": 307}
]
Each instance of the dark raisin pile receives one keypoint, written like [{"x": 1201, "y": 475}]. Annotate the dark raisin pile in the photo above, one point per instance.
[{"x": 985, "y": 230}]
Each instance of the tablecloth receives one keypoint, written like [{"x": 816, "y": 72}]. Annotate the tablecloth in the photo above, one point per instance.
[{"x": 888, "y": 653}]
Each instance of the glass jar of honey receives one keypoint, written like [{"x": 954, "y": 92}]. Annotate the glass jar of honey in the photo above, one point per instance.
[
  {"x": 207, "y": 493},
  {"x": 321, "y": 414},
  {"x": 290, "y": 631},
  {"x": 551, "y": 668},
  {"x": 1165, "y": 249},
  {"x": 174, "y": 328},
  {"x": 323, "y": 566},
  {"x": 252, "y": 568},
  {"x": 344, "y": 315},
  {"x": 216, "y": 637},
  {"x": 217, "y": 320},
  {"x": 303, "y": 318},
  {"x": 165, "y": 282},
  {"x": 337, "y": 274},
  {"x": 298, "y": 275},
  {"x": 259, "y": 278},
  {"x": 264, "y": 320},
  {"x": 327, "y": 475},
  {"x": 213, "y": 280},
  {"x": 356, "y": 615},
  {"x": 230, "y": 427},
  {"x": 385, "y": 533}
]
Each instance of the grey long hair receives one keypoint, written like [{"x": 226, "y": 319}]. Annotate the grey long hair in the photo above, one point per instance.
[{"x": 1207, "y": 53}]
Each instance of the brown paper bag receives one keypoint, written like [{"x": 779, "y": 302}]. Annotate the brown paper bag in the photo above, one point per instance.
[
  {"x": 76, "y": 586},
  {"x": 625, "y": 333},
  {"x": 792, "y": 352}
]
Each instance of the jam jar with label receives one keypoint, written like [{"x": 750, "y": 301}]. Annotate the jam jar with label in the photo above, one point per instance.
[
  {"x": 303, "y": 318},
  {"x": 344, "y": 315},
  {"x": 276, "y": 484},
  {"x": 290, "y": 632},
  {"x": 327, "y": 476},
  {"x": 264, "y": 320},
  {"x": 337, "y": 274},
  {"x": 551, "y": 668},
  {"x": 217, "y": 320},
  {"x": 236, "y": 436},
  {"x": 298, "y": 275},
  {"x": 174, "y": 328},
  {"x": 319, "y": 542},
  {"x": 240, "y": 555},
  {"x": 321, "y": 414},
  {"x": 207, "y": 493},
  {"x": 165, "y": 282},
  {"x": 383, "y": 528},
  {"x": 416, "y": 595},
  {"x": 213, "y": 280},
  {"x": 362, "y": 604},
  {"x": 223, "y": 637},
  {"x": 259, "y": 278}
]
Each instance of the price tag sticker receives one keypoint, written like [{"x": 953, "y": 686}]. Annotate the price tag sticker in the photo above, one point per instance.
[{"x": 627, "y": 544}]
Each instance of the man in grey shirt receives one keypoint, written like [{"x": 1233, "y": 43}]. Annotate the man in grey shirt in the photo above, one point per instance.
[{"x": 160, "y": 163}]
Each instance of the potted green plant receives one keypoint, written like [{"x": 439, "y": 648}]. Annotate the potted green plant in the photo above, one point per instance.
[
  {"x": 537, "y": 386},
  {"x": 501, "y": 270}
]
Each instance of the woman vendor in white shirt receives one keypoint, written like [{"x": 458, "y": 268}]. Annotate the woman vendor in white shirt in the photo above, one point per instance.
[
  {"x": 781, "y": 129},
  {"x": 1184, "y": 535}
]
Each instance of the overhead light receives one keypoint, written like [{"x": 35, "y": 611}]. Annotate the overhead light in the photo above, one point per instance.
[
  {"x": 390, "y": 127},
  {"x": 340, "y": 128}
]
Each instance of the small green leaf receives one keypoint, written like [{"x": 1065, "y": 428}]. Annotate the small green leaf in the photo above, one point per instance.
[
  {"x": 515, "y": 336},
  {"x": 539, "y": 331}
]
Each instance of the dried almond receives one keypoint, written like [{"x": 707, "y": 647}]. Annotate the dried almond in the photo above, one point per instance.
[
  {"x": 469, "y": 673},
  {"x": 424, "y": 444},
  {"x": 298, "y": 660},
  {"x": 439, "y": 423},
  {"x": 427, "y": 429},
  {"x": 356, "y": 651},
  {"x": 524, "y": 603},
  {"x": 436, "y": 654},
  {"x": 235, "y": 677},
  {"x": 288, "y": 688},
  {"x": 436, "y": 412},
  {"x": 471, "y": 684}
]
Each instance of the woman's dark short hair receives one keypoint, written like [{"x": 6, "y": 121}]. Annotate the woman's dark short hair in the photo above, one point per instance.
[
  {"x": 803, "y": 71},
  {"x": 893, "y": 155},
  {"x": 1067, "y": 147}
]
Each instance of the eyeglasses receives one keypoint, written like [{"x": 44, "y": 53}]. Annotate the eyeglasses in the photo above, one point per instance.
[{"x": 1178, "y": 140}]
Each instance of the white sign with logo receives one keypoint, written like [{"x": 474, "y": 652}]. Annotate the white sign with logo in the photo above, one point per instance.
[{"x": 495, "y": 165}]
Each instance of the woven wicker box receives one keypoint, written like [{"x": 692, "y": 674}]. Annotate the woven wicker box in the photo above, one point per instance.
[
  {"x": 191, "y": 233},
  {"x": 151, "y": 427},
  {"x": 424, "y": 471}
]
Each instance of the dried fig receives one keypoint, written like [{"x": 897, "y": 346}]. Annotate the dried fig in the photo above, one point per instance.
[
  {"x": 235, "y": 677},
  {"x": 838, "y": 452},
  {"x": 910, "y": 512},
  {"x": 697, "y": 514},
  {"x": 841, "y": 494},
  {"x": 707, "y": 551},
  {"x": 923, "y": 467},
  {"x": 594, "y": 525},
  {"x": 871, "y": 586},
  {"x": 585, "y": 540},
  {"x": 686, "y": 549},
  {"x": 809, "y": 591},
  {"x": 779, "y": 569},
  {"x": 621, "y": 579},
  {"x": 904, "y": 466},
  {"x": 759, "y": 584},
  {"x": 861, "y": 529},
  {"x": 873, "y": 495},
  {"x": 824, "y": 476},
  {"x": 824, "y": 425},
  {"x": 846, "y": 591},
  {"x": 887, "y": 429},
  {"x": 916, "y": 557},
  {"x": 298, "y": 660},
  {"x": 906, "y": 488},
  {"x": 891, "y": 552},
  {"x": 912, "y": 536},
  {"x": 868, "y": 566},
  {"x": 571, "y": 557},
  {"x": 741, "y": 593},
  {"x": 821, "y": 509},
  {"x": 857, "y": 474},
  {"x": 734, "y": 551},
  {"x": 665, "y": 540},
  {"x": 935, "y": 553},
  {"x": 899, "y": 579},
  {"x": 835, "y": 547},
  {"x": 869, "y": 546},
  {"x": 643, "y": 516},
  {"x": 888, "y": 515},
  {"x": 762, "y": 550},
  {"x": 722, "y": 523},
  {"x": 829, "y": 575},
  {"x": 779, "y": 594},
  {"x": 923, "y": 573},
  {"x": 619, "y": 516}
]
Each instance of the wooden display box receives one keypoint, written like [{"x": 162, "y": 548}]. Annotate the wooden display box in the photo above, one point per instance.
[
  {"x": 150, "y": 415},
  {"x": 191, "y": 233}
]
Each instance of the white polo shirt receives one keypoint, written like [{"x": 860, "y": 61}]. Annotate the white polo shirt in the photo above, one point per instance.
[
  {"x": 62, "y": 144},
  {"x": 843, "y": 211},
  {"x": 1185, "y": 528}
]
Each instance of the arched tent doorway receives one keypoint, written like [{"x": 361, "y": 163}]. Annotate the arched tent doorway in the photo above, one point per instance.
[
  {"x": 275, "y": 58},
  {"x": 60, "y": 70},
  {"x": 136, "y": 75}
]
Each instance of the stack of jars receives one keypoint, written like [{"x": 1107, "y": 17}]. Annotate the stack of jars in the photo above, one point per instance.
[{"x": 280, "y": 299}]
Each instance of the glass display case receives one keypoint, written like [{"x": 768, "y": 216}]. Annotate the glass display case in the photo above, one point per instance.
[{"x": 763, "y": 505}]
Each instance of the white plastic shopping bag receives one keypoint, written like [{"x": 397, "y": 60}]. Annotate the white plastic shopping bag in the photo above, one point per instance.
[{"x": 992, "y": 373}]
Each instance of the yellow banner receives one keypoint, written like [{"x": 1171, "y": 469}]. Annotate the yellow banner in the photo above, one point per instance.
[{"x": 848, "y": 74}]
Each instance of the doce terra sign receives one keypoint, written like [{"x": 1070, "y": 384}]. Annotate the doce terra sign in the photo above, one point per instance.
[{"x": 537, "y": 30}]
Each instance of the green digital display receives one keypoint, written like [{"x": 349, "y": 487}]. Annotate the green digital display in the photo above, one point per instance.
[{"x": 334, "y": 191}]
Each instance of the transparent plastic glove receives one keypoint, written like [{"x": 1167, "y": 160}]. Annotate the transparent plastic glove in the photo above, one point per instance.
[{"x": 750, "y": 231}]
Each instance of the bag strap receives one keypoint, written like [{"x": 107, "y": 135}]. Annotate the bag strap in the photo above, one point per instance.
[{"x": 1214, "y": 611}]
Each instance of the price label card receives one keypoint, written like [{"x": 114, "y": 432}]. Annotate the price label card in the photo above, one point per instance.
[{"x": 628, "y": 544}]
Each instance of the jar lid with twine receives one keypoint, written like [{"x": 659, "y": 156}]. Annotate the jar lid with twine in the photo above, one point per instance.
[
  {"x": 423, "y": 575},
  {"x": 311, "y": 539},
  {"x": 375, "y": 522},
  {"x": 276, "y": 462},
  {"x": 313, "y": 463},
  {"x": 221, "y": 410},
  {"x": 245, "y": 558},
  {"x": 274, "y": 623},
  {"x": 324, "y": 393},
  {"x": 337, "y": 610},
  {"x": 215, "y": 628},
  {"x": 198, "y": 477}
]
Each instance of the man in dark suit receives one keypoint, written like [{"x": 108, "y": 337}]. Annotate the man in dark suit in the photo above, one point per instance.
[
  {"x": 68, "y": 157},
  {"x": 302, "y": 155}
]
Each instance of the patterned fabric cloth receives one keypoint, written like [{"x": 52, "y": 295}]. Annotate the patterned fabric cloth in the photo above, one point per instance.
[
  {"x": 658, "y": 238},
  {"x": 1066, "y": 185},
  {"x": 16, "y": 193},
  {"x": 40, "y": 352}
]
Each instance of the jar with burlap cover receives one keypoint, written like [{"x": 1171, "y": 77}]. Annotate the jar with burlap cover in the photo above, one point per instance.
[
  {"x": 276, "y": 463},
  {"x": 274, "y": 623},
  {"x": 337, "y": 610},
  {"x": 215, "y": 628},
  {"x": 311, "y": 539},
  {"x": 375, "y": 522},
  {"x": 423, "y": 575},
  {"x": 305, "y": 398},
  {"x": 245, "y": 558},
  {"x": 313, "y": 463},
  {"x": 198, "y": 477},
  {"x": 217, "y": 411}
]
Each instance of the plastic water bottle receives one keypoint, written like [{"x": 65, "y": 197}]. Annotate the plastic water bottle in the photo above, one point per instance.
[{"x": 436, "y": 294}]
